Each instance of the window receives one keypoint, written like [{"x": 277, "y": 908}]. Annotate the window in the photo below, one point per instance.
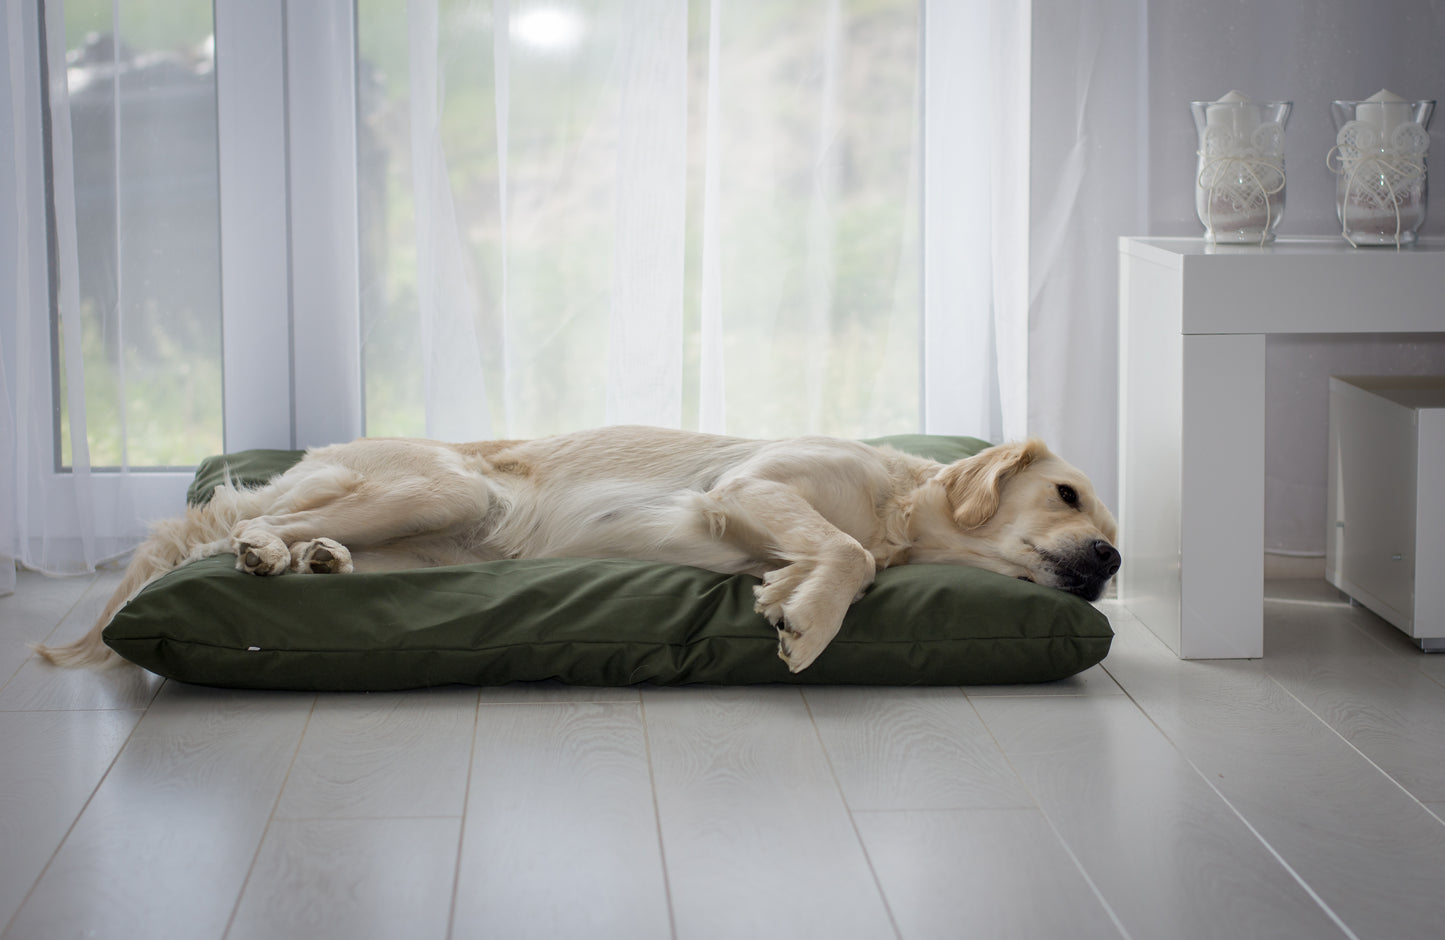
[{"x": 141, "y": 164}]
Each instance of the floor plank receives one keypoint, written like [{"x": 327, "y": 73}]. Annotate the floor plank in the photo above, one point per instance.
[
  {"x": 1433, "y": 665},
  {"x": 545, "y": 692},
  {"x": 757, "y": 838},
  {"x": 1169, "y": 857},
  {"x": 168, "y": 838},
  {"x": 30, "y": 614},
  {"x": 384, "y": 755},
  {"x": 1369, "y": 689},
  {"x": 1092, "y": 681},
  {"x": 561, "y": 831},
  {"x": 1370, "y": 852},
  {"x": 351, "y": 879},
  {"x": 982, "y": 874},
  {"x": 912, "y": 749},
  {"x": 52, "y": 763},
  {"x": 39, "y": 686}
]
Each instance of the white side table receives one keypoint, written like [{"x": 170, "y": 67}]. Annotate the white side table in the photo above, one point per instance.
[{"x": 1193, "y": 319}]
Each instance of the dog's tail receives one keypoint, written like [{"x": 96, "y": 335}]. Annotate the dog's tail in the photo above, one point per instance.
[{"x": 201, "y": 532}]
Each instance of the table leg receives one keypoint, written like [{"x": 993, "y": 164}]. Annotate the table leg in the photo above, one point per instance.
[
  {"x": 1221, "y": 501},
  {"x": 1191, "y": 481}
]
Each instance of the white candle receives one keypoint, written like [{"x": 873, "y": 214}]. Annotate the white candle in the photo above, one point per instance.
[
  {"x": 1380, "y": 195},
  {"x": 1239, "y": 187},
  {"x": 1235, "y": 113},
  {"x": 1383, "y": 112}
]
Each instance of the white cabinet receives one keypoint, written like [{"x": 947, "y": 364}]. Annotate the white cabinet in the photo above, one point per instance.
[{"x": 1386, "y": 546}]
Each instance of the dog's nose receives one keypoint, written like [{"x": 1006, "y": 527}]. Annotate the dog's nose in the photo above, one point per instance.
[{"x": 1108, "y": 558}]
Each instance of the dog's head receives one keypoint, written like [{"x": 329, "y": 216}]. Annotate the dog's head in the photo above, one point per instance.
[{"x": 1019, "y": 510}]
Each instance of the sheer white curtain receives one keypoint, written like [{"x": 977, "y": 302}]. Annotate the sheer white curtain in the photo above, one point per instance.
[
  {"x": 976, "y": 249},
  {"x": 22, "y": 236},
  {"x": 713, "y": 214},
  {"x": 47, "y": 521}
]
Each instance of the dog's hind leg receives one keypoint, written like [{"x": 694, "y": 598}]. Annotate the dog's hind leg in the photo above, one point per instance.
[
  {"x": 821, "y": 569},
  {"x": 336, "y": 510},
  {"x": 288, "y": 537}
]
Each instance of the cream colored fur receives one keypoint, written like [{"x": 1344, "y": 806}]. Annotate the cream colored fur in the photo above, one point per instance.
[{"x": 815, "y": 518}]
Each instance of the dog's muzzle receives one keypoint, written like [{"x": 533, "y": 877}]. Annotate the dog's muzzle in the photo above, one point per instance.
[{"x": 1086, "y": 572}]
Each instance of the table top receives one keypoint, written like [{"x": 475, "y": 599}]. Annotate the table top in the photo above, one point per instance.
[
  {"x": 1315, "y": 284},
  {"x": 1298, "y": 246}
]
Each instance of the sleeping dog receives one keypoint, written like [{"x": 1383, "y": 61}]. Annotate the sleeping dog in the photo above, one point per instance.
[{"x": 815, "y": 518}]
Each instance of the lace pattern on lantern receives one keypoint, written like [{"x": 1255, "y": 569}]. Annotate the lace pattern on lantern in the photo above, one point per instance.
[
  {"x": 1243, "y": 174},
  {"x": 1380, "y": 175}
]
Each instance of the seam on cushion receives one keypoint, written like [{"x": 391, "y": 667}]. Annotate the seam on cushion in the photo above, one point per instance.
[{"x": 547, "y": 643}]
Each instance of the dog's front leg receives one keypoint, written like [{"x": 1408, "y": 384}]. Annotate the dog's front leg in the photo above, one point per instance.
[{"x": 821, "y": 569}]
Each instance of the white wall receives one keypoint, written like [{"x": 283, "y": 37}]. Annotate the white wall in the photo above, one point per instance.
[{"x": 1142, "y": 65}]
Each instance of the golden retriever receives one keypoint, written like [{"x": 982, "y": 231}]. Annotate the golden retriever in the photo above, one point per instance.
[{"x": 815, "y": 518}]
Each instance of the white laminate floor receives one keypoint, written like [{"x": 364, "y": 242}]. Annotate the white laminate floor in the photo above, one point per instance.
[{"x": 1301, "y": 795}]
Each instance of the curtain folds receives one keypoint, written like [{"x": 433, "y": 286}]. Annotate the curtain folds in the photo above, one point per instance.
[
  {"x": 698, "y": 215},
  {"x": 47, "y": 521},
  {"x": 455, "y": 398},
  {"x": 975, "y": 218},
  {"x": 15, "y": 233},
  {"x": 645, "y": 328}
]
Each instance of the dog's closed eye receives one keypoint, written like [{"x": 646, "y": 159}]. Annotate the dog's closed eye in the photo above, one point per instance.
[{"x": 1068, "y": 495}]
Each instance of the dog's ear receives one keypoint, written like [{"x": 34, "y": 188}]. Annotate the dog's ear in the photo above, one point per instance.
[{"x": 974, "y": 485}]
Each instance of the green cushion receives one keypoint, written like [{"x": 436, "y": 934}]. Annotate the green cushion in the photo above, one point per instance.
[{"x": 585, "y": 621}]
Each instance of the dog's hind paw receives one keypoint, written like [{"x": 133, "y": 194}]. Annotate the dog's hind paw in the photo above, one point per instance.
[
  {"x": 320, "y": 556},
  {"x": 262, "y": 557}
]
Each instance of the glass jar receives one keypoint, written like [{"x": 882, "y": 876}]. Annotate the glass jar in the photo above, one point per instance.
[
  {"x": 1379, "y": 165},
  {"x": 1239, "y": 185}
]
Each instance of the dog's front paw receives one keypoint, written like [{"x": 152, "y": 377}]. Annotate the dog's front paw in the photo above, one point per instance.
[
  {"x": 320, "y": 556},
  {"x": 806, "y": 623},
  {"x": 798, "y": 648},
  {"x": 262, "y": 555}
]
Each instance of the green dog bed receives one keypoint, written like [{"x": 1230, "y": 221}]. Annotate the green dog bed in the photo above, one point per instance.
[{"x": 584, "y": 621}]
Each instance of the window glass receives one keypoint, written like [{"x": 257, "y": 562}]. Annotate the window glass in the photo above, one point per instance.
[{"x": 142, "y": 95}]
